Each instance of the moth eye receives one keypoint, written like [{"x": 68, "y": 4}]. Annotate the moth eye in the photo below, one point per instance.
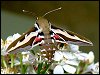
[
  {"x": 51, "y": 32},
  {"x": 41, "y": 33}
]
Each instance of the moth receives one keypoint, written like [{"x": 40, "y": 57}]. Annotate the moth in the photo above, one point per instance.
[{"x": 47, "y": 37}]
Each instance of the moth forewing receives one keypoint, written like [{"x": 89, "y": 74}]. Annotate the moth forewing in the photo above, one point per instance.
[
  {"x": 22, "y": 41},
  {"x": 71, "y": 37},
  {"x": 83, "y": 41}
]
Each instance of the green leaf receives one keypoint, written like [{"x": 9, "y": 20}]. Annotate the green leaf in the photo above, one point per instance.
[{"x": 39, "y": 68}]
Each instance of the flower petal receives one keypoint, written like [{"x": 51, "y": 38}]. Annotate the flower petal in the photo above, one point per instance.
[
  {"x": 82, "y": 56},
  {"x": 9, "y": 40},
  {"x": 74, "y": 48},
  {"x": 58, "y": 56},
  {"x": 2, "y": 44},
  {"x": 72, "y": 62},
  {"x": 28, "y": 58},
  {"x": 69, "y": 55},
  {"x": 91, "y": 57},
  {"x": 15, "y": 36},
  {"x": 69, "y": 69},
  {"x": 58, "y": 70}
]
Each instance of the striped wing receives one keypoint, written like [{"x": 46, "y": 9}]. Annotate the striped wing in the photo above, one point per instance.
[
  {"x": 25, "y": 42},
  {"x": 69, "y": 37}
]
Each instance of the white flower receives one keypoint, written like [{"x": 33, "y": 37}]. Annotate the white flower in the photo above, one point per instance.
[
  {"x": 94, "y": 68},
  {"x": 69, "y": 60}
]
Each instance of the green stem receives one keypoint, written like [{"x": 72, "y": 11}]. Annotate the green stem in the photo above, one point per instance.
[
  {"x": 21, "y": 63},
  {"x": 12, "y": 60},
  {"x": 78, "y": 70},
  {"x": 4, "y": 62}
]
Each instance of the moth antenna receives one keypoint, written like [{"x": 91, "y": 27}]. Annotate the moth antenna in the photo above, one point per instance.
[
  {"x": 52, "y": 11},
  {"x": 34, "y": 14}
]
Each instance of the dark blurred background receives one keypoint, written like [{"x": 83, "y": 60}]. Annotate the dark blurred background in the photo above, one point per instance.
[{"x": 81, "y": 17}]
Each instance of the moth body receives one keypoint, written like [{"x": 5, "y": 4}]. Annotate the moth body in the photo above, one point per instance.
[{"x": 48, "y": 47}]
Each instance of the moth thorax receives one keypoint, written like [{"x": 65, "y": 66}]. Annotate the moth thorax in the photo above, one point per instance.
[{"x": 43, "y": 24}]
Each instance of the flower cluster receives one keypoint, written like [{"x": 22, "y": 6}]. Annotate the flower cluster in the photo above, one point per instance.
[
  {"x": 71, "y": 62},
  {"x": 67, "y": 60}
]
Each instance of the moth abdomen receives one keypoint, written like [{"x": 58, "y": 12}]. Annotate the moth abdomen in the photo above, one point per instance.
[{"x": 47, "y": 48}]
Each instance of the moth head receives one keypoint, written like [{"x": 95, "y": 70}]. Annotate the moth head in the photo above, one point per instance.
[{"x": 42, "y": 23}]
